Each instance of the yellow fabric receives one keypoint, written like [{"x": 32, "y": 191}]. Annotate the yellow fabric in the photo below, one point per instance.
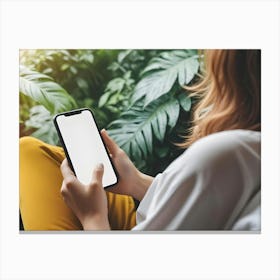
[{"x": 41, "y": 204}]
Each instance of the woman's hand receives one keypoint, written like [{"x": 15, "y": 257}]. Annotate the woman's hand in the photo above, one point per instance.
[
  {"x": 88, "y": 202},
  {"x": 131, "y": 181}
]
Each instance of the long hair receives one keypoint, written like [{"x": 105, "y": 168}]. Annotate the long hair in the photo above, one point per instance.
[{"x": 229, "y": 93}]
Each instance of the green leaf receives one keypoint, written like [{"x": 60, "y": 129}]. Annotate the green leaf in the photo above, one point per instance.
[
  {"x": 64, "y": 67},
  {"x": 114, "y": 87},
  {"x": 162, "y": 73},
  {"x": 185, "y": 102},
  {"x": 104, "y": 98},
  {"x": 41, "y": 119},
  {"x": 42, "y": 89},
  {"x": 136, "y": 129},
  {"x": 123, "y": 54}
]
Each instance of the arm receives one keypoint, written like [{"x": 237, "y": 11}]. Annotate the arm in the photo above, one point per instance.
[
  {"x": 207, "y": 187},
  {"x": 131, "y": 181}
]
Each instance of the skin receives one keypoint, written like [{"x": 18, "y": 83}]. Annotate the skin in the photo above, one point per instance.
[{"x": 89, "y": 202}]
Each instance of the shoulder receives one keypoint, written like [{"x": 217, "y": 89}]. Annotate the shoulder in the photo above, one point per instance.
[
  {"x": 228, "y": 140},
  {"x": 223, "y": 147}
]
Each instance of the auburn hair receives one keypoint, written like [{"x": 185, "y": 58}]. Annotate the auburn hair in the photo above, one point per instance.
[{"x": 228, "y": 94}]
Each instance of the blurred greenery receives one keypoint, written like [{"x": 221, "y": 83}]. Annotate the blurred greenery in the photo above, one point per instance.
[{"x": 137, "y": 95}]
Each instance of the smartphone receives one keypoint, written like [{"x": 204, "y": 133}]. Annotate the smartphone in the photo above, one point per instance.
[{"x": 84, "y": 146}]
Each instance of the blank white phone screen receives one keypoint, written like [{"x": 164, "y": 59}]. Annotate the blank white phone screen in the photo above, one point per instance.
[{"x": 85, "y": 147}]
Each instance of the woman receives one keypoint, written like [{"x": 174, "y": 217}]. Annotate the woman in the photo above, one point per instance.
[{"x": 213, "y": 185}]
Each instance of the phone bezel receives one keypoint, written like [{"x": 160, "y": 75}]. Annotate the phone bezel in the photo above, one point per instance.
[{"x": 74, "y": 112}]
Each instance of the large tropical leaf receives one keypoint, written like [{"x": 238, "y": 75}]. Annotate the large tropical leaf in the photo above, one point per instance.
[
  {"x": 136, "y": 128},
  {"x": 162, "y": 73},
  {"x": 45, "y": 91},
  {"x": 185, "y": 102}
]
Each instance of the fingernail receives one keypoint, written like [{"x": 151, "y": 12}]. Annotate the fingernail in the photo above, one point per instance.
[{"x": 99, "y": 166}]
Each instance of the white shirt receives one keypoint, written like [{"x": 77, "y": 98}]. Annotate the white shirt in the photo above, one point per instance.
[{"x": 213, "y": 185}]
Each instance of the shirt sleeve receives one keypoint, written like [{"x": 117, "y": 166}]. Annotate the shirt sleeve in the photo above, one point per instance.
[{"x": 206, "y": 188}]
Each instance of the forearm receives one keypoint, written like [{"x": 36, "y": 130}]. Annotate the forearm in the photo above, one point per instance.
[{"x": 141, "y": 186}]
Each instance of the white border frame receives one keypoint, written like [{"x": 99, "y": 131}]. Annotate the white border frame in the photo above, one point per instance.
[{"x": 135, "y": 24}]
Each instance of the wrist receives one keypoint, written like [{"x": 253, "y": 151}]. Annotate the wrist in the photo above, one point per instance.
[{"x": 96, "y": 222}]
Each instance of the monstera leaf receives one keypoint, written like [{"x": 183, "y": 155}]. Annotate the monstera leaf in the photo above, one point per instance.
[
  {"x": 163, "y": 72},
  {"x": 42, "y": 89},
  {"x": 136, "y": 129}
]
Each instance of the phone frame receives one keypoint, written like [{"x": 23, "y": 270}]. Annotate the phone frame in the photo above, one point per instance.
[{"x": 75, "y": 112}]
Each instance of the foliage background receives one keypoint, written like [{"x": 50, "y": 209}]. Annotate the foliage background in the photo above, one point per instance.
[{"x": 137, "y": 95}]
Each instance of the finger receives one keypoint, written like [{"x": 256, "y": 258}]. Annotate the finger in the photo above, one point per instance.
[
  {"x": 111, "y": 145},
  {"x": 66, "y": 171},
  {"x": 97, "y": 173}
]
